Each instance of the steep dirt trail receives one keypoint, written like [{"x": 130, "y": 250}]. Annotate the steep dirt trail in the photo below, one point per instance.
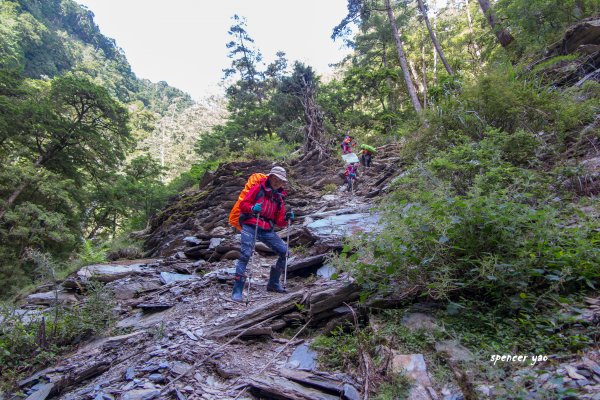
[{"x": 173, "y": 339}]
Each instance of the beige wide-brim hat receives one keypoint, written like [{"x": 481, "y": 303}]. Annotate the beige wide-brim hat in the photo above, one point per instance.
[{"x": 279, "y": 172}]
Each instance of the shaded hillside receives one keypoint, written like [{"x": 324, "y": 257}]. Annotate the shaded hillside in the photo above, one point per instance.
[{"x": 49, "y": 38}]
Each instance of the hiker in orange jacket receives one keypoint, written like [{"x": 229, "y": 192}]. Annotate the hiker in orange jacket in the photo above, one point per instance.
[{"x": 261, "y": 210}]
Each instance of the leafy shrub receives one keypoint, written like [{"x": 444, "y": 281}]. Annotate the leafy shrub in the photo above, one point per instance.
[
  {"x": 492, "y": 241},
  {"x": 338, "y": 351},
  {"x": 268, "y": 148},
  {"x": 20, "y": 348},
  {"x": 330, "y": 188},
  {"x": 91, "y": 254},
  {"x": 499, "y": 99},
  {"x": 396, "y": 388}
]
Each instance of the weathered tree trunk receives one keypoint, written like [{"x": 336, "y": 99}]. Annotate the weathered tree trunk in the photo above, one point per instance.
[
  {"x": 390, "y": 85},
  {"x": 435, "y": 54},
  {"x": 412, "y": 92},
  {"x": 415, "y": 75},
  {"x": 470, "y": 21},
  {"x": 424, "y": 71},
  {"x": 503, "y": 35},
  {"x": 434, "y": 40},
  {"x": 314, "y": 131}
]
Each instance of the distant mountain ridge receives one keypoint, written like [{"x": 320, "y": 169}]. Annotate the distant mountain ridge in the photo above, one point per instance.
[{"x": 46, "y": 38}]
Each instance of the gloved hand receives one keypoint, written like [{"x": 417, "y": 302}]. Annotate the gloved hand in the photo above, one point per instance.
[
  {"x": 352, "y": 175},
  {"x": 257, "y": 208},
  {"x": 289, "y": 215}
]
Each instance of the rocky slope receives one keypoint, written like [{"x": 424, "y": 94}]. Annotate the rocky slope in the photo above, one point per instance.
[{"x": 179, "y": 335}]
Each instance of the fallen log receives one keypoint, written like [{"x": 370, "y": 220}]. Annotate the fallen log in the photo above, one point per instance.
[
  {"x": 316, "y": 381},
  {"x": 284, "y": 389},
  {"x": 323, "y": 381},
  {"x": 254, "y": 316},
  {"x": 295, "y": 265},
  {"x": 332, "y": 298}
]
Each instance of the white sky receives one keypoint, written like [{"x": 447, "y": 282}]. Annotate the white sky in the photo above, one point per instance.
[{"x": 183, "y": 42}]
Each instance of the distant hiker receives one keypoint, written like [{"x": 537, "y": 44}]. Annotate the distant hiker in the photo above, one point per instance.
[
  {"x": 366, "y": 155},
  {"x": 351, "y": 174},
  {"x": 261, "y": 210},
  {"x": 347, "y": 144}
]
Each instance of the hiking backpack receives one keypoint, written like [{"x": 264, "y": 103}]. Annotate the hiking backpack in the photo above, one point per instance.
[{"x": 234, "y": 215}]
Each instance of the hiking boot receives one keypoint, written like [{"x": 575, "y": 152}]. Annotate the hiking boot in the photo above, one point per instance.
[
  {"x": 274, "y": 285},
  {"x": 238, "y": 288}
]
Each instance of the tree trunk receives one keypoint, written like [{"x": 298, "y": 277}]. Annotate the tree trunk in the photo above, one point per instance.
[
  {"x": 415, "y": 75},
  {"x": 412, "y": 92},
  {"x": 390, "y": 86},
  {"x": 17, "y": 192},
  {"x": 314, "y": 131},
  {"x": 470, "y": 21},
  {"x": 434, "y": 40},
  {"x": 503, "y": 35},
  {"x": 580, "y": 6},
  {"x": 388, "y": 80},
  {"x": 424, "y": 69},
  {"x": 435, "y": 54}
]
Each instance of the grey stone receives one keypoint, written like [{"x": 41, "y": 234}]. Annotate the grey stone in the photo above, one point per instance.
[
  {"x": 417, "y": 321},
  {"x": 214, "y": 242},
  {"x": 141, "y": 394},
  {"x": 157, "y": 378},
  {"x": 49, "y": 298},
  {"x": 42, "y": 393},
  {"x": 303, "y": 358},
  {"x": 108, "y": 272},
  {"x": 413, "y": 366},
  {"x": 130, "y": 374},
  {"x": 180, "y": 368},
  {"x": 180, "y": 255},
  {"x": 326, "y": 271},
  {"x": 128, "y": 290},
  {"x": 455, "y": 350},
  {"x": 198, "y": 263},
  {"x": 344, "y": 225},
  {"x": 192, "y": 240},
  {"x": 150, "y": 367},
  {"x": 586, "y": 373},
  {"x": 350, "y": 392},
  {"x": 168, "y": 277}
]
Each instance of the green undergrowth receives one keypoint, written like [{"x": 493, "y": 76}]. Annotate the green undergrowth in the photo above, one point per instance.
[
  {"x": 27, "y": 345},
  {"x": 32, "y": 341},
  {"x": 485, "y": 220},
  {"x": 556, "y": 330}
]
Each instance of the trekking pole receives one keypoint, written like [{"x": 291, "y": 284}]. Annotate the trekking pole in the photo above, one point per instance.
[
  {"x": 251, "y": 256},
  {"x": 287, "y": 253}
]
